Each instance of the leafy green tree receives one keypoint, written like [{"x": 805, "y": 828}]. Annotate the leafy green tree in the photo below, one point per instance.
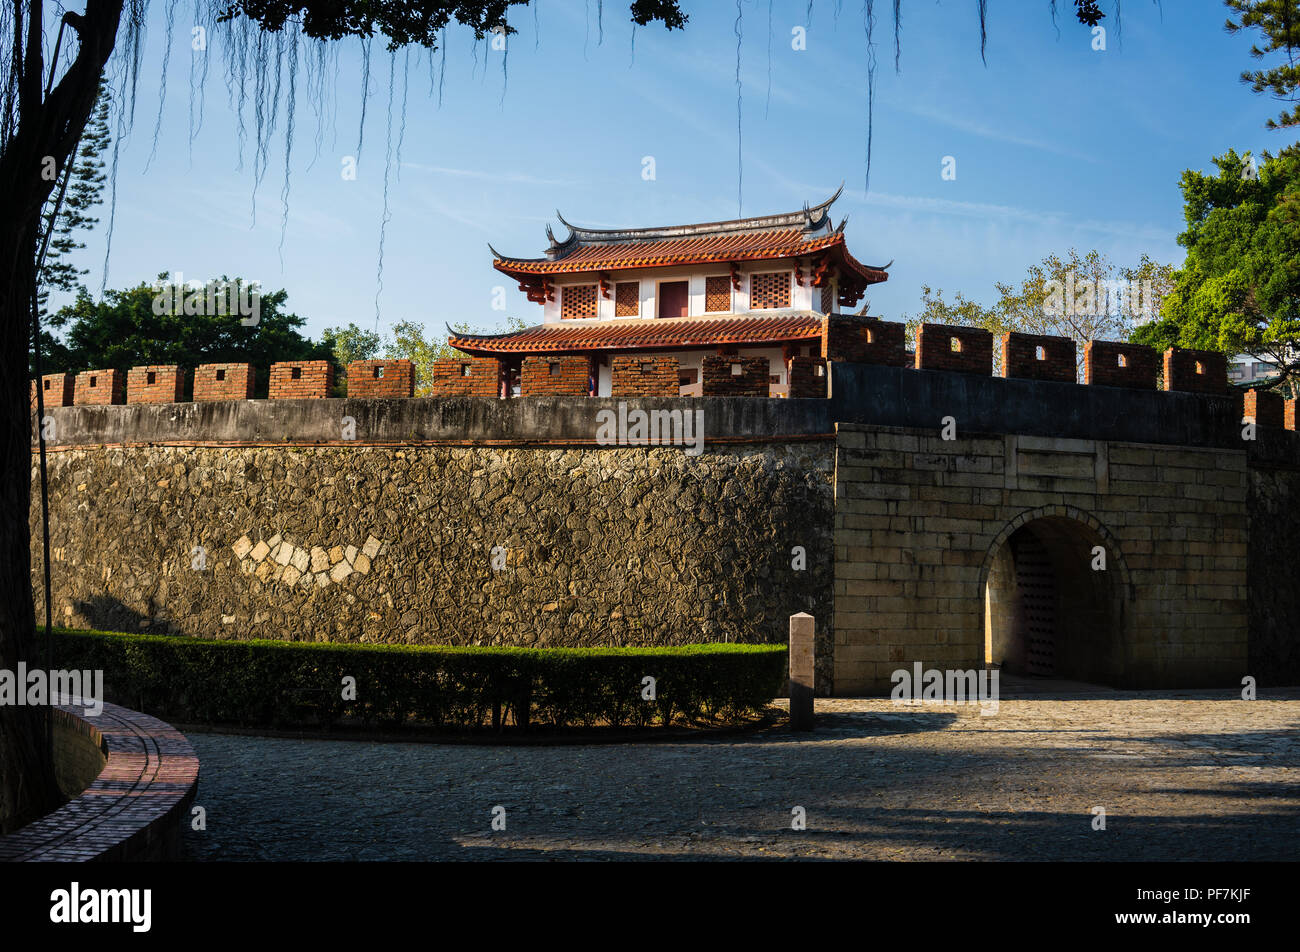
[
  {"x": 408, "y": 342},
  {"x": 347, "y": 344},
  {"x": 85, "y": 190},
  {"x": 350, "y": 343},
  {"x": 1279, "y": 22},
  {"x": 1239, "y": 289},
  {"x": 1083, "y": 297},
  {"x": 140, "y": 325}
]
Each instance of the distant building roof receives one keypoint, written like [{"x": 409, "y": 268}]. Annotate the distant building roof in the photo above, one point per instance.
[
  {"x": 793, "y": 234},
  {"x": 644, "y": 333}
]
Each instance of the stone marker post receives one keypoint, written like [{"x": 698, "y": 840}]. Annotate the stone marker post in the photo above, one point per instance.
[{"x": 802, "y": 675}]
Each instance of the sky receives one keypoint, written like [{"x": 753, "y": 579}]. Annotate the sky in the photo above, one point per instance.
[{"x": 1056, "y": 145}]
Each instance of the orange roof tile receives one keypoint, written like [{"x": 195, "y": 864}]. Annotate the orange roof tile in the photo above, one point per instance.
[
  {"x": 649, "y": 254},
  {"x": 802, "y": 233},
  {"x": 644, "y": 334}
]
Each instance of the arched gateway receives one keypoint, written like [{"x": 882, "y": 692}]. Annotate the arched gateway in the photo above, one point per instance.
[{"x": 1056, "y": 596}]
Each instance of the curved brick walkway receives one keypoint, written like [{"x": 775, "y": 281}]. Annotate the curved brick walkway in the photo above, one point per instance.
[
  {"x": 132, "y": 810},
  {"x": 1181, "y": 776}
]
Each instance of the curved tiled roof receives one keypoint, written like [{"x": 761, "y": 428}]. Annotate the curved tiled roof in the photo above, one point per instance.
[
  {"x": 644, "y": 333},
  {"x": 794, "y": 234},
  {"x": 743, "y": 246}
]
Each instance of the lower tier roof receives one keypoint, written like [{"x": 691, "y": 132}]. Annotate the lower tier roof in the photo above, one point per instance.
[{"x": 645, "y": 334}]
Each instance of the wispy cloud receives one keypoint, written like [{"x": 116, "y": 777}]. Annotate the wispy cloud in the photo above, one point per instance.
[
  {"x": 984, "y": 130},
  {"x": 514, "y": 178},
  {"x": 991, "y": 212}
]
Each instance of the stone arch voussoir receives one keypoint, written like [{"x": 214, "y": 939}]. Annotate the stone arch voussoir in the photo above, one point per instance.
[{"x": 1115, "y": 557}]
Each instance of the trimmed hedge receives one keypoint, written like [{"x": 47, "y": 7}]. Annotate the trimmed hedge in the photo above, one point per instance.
[{"x": 288, "y": 683}]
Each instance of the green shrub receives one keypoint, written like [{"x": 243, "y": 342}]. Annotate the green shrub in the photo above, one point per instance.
[{"x": 291, "y": 683}]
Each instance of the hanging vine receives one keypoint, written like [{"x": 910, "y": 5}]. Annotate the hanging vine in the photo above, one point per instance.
[
  {"x": 290, "y": 112},
  {"x": 162, "y": 80},
  {"x": 365, "y": 94},
  {"x": 869, "y": 25},
  {"x": 387, "y": 216}
]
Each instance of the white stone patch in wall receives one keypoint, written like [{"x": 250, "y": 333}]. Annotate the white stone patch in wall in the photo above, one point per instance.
[{"x": 278, "y": 559}]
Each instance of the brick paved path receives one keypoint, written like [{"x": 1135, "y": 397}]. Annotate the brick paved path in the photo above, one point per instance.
[{"x": 1185, "y": 775}]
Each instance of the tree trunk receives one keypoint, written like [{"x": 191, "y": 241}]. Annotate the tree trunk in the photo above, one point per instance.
[
  {"x": 48, "y": 126},
  {"x": 27, "y": 786}
]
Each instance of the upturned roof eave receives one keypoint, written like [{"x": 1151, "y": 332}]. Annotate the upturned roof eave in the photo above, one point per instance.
[{"x": 531, "y": 268}]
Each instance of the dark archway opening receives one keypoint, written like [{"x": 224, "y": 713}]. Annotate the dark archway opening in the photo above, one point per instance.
[{"x": 1048, "y": 612}]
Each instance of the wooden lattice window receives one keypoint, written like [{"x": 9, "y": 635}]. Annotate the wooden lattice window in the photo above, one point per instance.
[
  {"x": 828, "y": 298},
  {"x": 717, "y": 293},
  {"x": 627, "y": 299},
  {"x": 578, "y": 300},
  {"x": 770, "y": 290}
]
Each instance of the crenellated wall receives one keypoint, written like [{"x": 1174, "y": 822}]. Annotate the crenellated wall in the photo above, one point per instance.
[{"x": 844, "y": 339}]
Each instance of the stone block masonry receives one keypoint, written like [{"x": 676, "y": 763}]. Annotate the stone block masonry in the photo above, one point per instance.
[
  {"x": 223, "y": 382},
  {"x": 961, "y": 349},
  {"x": 555, "y": 376},
  {"x": 1197, "y": 371},
  {"x": 470, "y": 377},
  {"x": 1039, "y": 357},
  {"x": 59, "y": 390},
  {"x": 99, "y": 388},
  {"x": 808, "y": 377},
  {"x": 155, "y": 383},
  {"x": 640, "y": 376},
  {"x": 1109, "y": 364},
  {"x": 381, "y": 379},
  {"x": 864, "y": 340},
  {"x": 1263, "y": 408},
  {"x": 735, "y": 377},
  {"x": 304, "y": 380},
  {"x": 921, "y": 523}
]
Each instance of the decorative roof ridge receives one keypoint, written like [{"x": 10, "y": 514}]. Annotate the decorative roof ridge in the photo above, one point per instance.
[{"x": 809, "y": 218}]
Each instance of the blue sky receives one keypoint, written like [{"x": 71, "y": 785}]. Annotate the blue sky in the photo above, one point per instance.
[{"x": 1056, "y": 146}]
